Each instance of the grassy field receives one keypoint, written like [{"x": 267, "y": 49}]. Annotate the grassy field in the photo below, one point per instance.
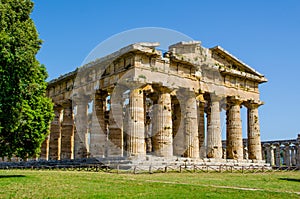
[{"x": 75, "y": 184}]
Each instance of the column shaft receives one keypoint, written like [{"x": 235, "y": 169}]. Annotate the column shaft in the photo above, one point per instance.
[
  {"x": 67, "y": 132},
  {"x": 201, "y": 126},
  {"x": 178, "y": 128},
  {"x": 214, "y": 140},
  {"x": 55, "y": 135},
  {"x": 45, "y": 149},
  {"x": 136, "y": 124},
  {"x": 163, "y": 141},
  {"x": 98, "y": 132},
  {"x": 191, "y": 126},
  {"x": 81, "y": 134},
  {"x": 287, "y": 153},
  {"x": 234, "y": 141},
  {"x": 115, "y": 135},
  {"x": 254, "y": 142}
]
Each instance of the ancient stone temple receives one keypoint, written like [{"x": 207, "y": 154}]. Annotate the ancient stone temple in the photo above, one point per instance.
[{"x": 139, "y": 102}]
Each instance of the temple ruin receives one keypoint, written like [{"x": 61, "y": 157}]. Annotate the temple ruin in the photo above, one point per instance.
[{"x": 142, "y": 103}]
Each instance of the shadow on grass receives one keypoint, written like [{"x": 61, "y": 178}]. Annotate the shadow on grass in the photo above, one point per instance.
[
  {"x": 290, "y": 179},
  {"x": 12, "y": 176}
]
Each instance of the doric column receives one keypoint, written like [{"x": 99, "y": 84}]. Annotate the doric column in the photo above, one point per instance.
[
  {"x": 245, "y": 148},
  {"x": 277, "y": 154},
  {"x": 270, "y": 153},
  {"x": 201, "y": 126},
  {"x": 178, "y": 126},
  {"x": 136, "y": 124},
  {"x": 254, "y": 142},
  {"x": 214, "y": 140},
  {"x": 98, "y": 134},
  {"x": 67, "y": 131},
  {"x": 162, "y": 138},
  {"x": 81, "y": 134},
  {"x": 293, "y": 156},
  {"x": 45, "y": 149},
  {"x": 287, "y": 157},
  {"x": 115, "y": 134},
  {"x": 297, "y": 145},
  {"x": 189, "y": 112},
  {"x": 234, "y": 141},
  {"x": 55, "y": 135}
]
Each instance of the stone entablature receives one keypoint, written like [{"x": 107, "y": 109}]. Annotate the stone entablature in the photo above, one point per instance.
[{"x": 145, "y": 102}]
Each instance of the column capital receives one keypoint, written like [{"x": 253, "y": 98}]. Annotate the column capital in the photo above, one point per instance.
[
  {"x": 267, "y": 145},
  {"x": 234, "y": 100},
  {"x": 252, "y": 104},
  {"x": 57, "y": 107},
  {"x": 214, "y": 97},
  {"x": 67, "y": 103},
  {"x": 286, "y": 144},
  {"x": 276, "y": 144},
  {"x": 101, "y": 94},
  {"x": 162, "y": 89},
  {"x": 200, "y": 98}
]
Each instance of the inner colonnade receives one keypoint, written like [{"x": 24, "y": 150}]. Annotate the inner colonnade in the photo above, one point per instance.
[{"x": 138, "y": 102}]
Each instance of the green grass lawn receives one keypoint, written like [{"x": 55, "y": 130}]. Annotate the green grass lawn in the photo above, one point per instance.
[{"x": 80, "y": 184}]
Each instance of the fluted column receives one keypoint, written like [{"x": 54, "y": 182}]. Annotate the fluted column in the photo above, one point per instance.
[
  {"x": 136, "y": 124},
  {"x": 162, "y": 140},
  {"x": 270, "y": 153},
  {"x": 55, "y": 135},
  {"x": 201, "y": 126},
  {"x": 287, "y": 157},
  {"x": 277, "y": 154},
  {"x": 214, "y": 140},
  {"x": 254, "y": 142},
  {"x": 234, "y": 141},
  {"x": 297, "y": 145},
  {"x": 81, "y": 134},
  {"x": 115, "y": 134},
  {"x": 45, "y": 149},
  {"x": 191, "y": 138},
  {"x": 67, "y": 132},
  {"x": 178, "y": 127},
  {"x": 98, "y": 134},
  {"x": 293, "y": 156}
]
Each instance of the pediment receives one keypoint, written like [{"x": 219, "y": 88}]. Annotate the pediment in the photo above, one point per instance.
[{"x": 231, "y": 62}]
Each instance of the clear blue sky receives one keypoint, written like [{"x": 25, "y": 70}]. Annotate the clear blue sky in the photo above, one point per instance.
[{"x": 264, "y": 34}]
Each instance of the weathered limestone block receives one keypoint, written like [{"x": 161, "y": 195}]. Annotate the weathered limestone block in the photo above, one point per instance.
[
  {"x": 45, "y": 149},
  {"x": 136, "y": 124},
  {"x": 81, "y": 133},
  {"x": 98, "y": 132},
  {"x": 55, "y": 135},
  {"x": 115, "y": 135},
  {"x": 67, "y": 132},
  {"x": 234, "y": 141},
  {"x": 254, "y": 143},
  {"x": 162, "y": 138},
  {"x": 214, "y": 140},
  {"x": 201, "y": 126}
]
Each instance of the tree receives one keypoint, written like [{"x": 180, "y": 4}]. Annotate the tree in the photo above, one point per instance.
[{"x": 25, "y": 111}]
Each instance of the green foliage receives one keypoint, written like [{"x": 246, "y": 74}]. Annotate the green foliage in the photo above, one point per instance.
[{"x": 25, "y": 111}]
